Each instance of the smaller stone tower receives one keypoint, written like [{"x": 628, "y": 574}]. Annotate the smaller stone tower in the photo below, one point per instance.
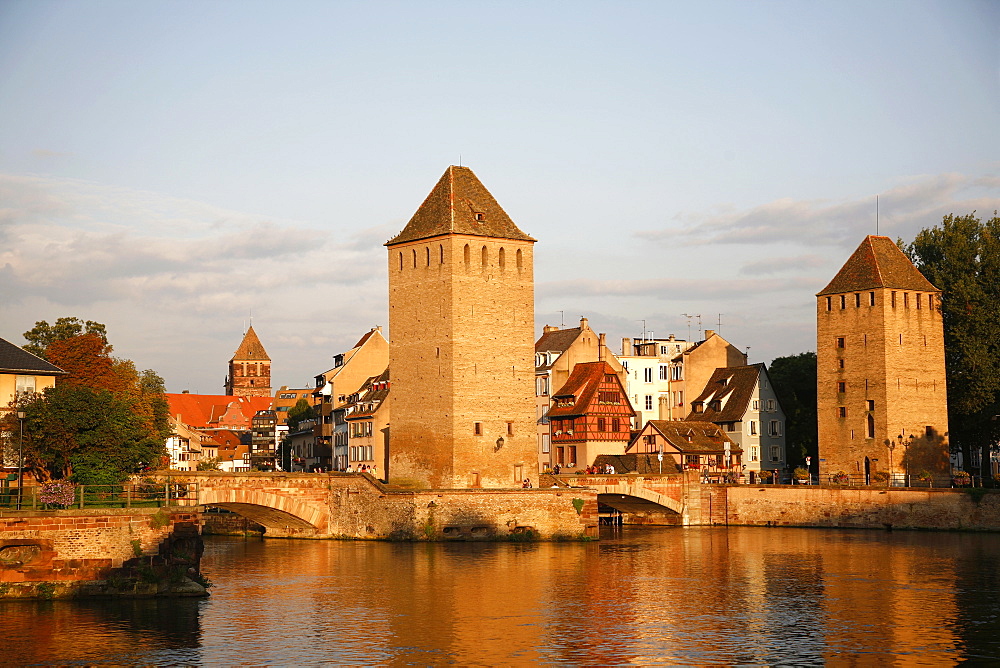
[
  {"x": 249, "y": 369},
  {"x": 881, "y": 397}
]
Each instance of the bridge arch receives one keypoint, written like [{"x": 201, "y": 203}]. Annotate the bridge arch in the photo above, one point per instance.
[
  {"x": 606, "y": 494},
  {"x": 278, "y": 513}
]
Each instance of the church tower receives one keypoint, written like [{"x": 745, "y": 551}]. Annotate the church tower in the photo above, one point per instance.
[
  {"x": 249, "y": 369},
  {"x": 881, "y": 394},
  {"x": 461, "y": 348}
]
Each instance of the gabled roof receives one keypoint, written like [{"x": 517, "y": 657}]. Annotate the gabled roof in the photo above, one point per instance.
[
  {"x": 459, "y": 204},
  {"x": 582, "y": 385},
  {"x": 373, "y": 392},
  {"x": 14, "y": 359},
  {"x": 557, "y": 341},
  {"x": 202, "y": 411},
  {"x": 706, "y": 438},
  {"x": 877, "y": 263},
  {"x": 733, "y": 388},
  {"x": 250, "y": 348}
]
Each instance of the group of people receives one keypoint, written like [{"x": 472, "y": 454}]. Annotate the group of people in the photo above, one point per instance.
[
  {"x": 607, "y": 469},
  {"x": 364, "y": 468}
]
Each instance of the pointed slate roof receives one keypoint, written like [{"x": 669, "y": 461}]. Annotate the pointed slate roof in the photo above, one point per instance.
[
  {"x": 251, "y": 348},
  {"x": 459, "y": 204},
  {"x": 877, "y": 263},
  {"x": 15, "y": 359},
  {"x": 733, "y": 388}
]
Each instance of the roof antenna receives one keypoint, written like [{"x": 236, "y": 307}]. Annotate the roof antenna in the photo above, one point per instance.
[
  {"x": 719, "y": 329},
  {"x": 746, "y": 355},
  {"x": 876, "y": 215},
  {"x": 459, "y": 159},
  {"x": 562, "y": 322}
]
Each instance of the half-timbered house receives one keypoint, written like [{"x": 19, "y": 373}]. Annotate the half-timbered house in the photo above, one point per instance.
[
  {"x": 689, "y": 445},
  {"x": 590, "y": 416}
]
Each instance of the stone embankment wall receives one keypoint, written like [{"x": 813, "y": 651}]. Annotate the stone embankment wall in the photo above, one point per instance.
[
  {"x": 946, "y": 509},
  {"x": 68, "y": 553},
  {"x": 357, "y": 506}
]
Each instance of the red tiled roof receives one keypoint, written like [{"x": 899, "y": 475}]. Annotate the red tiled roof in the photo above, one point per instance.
[
  {"x": 459, "y": 204},
  {"x": 203, "y": 410},
  {"x": 582, "y": 384},
  {"x": 877, "y": 263}
]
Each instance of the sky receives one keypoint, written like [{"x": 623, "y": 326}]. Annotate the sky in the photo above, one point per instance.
[{"x": 171, "y": 169}]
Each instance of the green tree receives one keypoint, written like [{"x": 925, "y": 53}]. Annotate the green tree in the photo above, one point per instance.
[
  {"x": 210, "y": 464},
  {"x": 961, "y": 257},
  {"x": 299, "y": 412},
  {"x": 794, "y": 381},
  {"x": 42, "y": 335},
  {"x": 103, "y": 421}
]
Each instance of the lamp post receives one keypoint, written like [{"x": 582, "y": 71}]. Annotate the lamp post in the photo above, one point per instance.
[
  {"x": 20, "y": 460},
  {"x": 906, "y": 460},
  {"x": 890, "y": 445}
]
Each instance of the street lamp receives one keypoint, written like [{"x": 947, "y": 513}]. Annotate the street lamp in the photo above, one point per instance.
[
  {"x": 890, "y": 445},
  {"x": 20, "y": 460}
]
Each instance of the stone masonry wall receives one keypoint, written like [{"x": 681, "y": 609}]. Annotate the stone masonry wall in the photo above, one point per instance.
[{"x": 952, "y": 509}]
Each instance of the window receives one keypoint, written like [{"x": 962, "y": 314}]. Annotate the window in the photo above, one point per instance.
[
  {"x": 919, "y": 300},
  {"x": 842, "y": 411},
  {"x": 754, "y": 453},
  {"x": 843, "y": 302},
  {"x": 441, "y": 253},
  {"x": 770, "y": 405},
  {"x": 841, "y": 387},
  {"x": 664, "y": 372},
  {"x": 545, "y": 444},
  {"x": 752, "y": 427},
  {"x": 480, "y": 217},
  {"x": 894, "y": 299},
  {"x": 510, "y": 428},
  {"x": 871, "y": 404},
  {"x": 601, "y": 424},
  {"x": 677, "y": 372},
  {"x": 857, "y": 299},
  {"x": 542, "y": 386},
  {"x": 24, "y": 385},
  {"x": 520, "y": 262},
  {"x": 468, "y": 254},
  {"x": 756, "y": 404},
  {"x": 871, "y": 425},
  {"x": 649, "y": 402},
  {"x": 775, "y": 453},
  {"x": 647, "y": 375},
  {"x": 502, "y": 258},
  {"x": 829, "y": 303},
  {"x": 400, "y": 260},
  {"x": 477, "y": 429},
  {"x": 906, "y": 300},
  {"x": 840, "y": 362},
  {"x": 616, "y": 424},
  {"x": 428, "y": 249},
  {"x": 841, "y": 342},
  {"x": 486, "y": 257},
  {"x": 774, "y": 429},
  {"x": 871, "y": 299},
  {"x": 414, "y": 258}
]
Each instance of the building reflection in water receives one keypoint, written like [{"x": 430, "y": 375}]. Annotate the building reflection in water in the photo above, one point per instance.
[{"x": 696, "y": 596}]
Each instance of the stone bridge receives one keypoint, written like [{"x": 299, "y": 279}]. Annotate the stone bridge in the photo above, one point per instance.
[
  {"x": 670, "y": 498},
  {"x": 356, "y": 505}
]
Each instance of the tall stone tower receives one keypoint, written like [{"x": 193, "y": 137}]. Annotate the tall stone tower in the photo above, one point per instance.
[
  {"x": 881, "y": 378},
  {"x": 249, "y": 369},
  {"x": 461, "y": 346}
]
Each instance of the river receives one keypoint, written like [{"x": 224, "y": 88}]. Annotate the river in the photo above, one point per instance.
[{"x": 747, "y": 596}]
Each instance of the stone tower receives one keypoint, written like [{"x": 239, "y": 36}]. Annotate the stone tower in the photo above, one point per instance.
[
  {"x": 249, "y": 369},
  {"x": 880, "y": 367},
  {"x": 461, "y": 347}
]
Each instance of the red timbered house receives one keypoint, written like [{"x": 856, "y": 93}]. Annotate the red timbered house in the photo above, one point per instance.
[
  {"x": 590, "y": 416},
  {"x": 688, "y": 445}
]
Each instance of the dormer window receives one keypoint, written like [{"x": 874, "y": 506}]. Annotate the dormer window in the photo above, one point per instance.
[{"x": 479, "y": 216}]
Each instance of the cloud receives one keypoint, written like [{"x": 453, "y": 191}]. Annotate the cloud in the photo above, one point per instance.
[
  {"x": 905, "y": 209},
  {"x": 775, "y": 265},
  {"x": 676, "y": 289}
]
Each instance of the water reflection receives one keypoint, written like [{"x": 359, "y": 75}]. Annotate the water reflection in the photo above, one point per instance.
[{"x": 643, "y": 596}]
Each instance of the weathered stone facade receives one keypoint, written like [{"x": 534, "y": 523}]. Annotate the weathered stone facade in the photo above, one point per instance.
[
  {"x": 67, "y": 553},
  {"x": 461, "y": 355},
  {"x": 249, "y": 369},
  {"x": 882, "y": 401}
]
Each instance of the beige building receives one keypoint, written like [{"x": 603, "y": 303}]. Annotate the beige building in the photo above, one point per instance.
[
  {"x": 557, "y": 352},
  {"x": 461, "y": 322},
  {"x": 367, "y": 418},
  {"x": 23, "y": 373},
  {"x": 249, "y": 369},
  {"x": 663, "y": 376},
  {"x": 881, "y": 394}
]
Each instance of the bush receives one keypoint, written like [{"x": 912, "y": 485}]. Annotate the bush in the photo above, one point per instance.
[
  {"x": 880, "y": 476},
  {"x": 801, "y": 473},
  {"x": 841, "y": 477},
  {"x": 58, "y": 493},
  {"x": 961, "y": 479}
]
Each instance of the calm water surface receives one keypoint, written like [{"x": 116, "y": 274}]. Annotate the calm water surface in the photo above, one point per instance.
[{"x": 746, "y": 596}]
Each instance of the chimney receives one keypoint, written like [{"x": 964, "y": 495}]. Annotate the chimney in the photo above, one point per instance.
[
  {"x": 626, "y": 346},
  {"x": 185, "y": 391},
  {"x": 601, "y": 346},
  {"x": 709, "y": 333},
  {"x": 584, "y": 323},
  {"x": 549, "y": 328}
]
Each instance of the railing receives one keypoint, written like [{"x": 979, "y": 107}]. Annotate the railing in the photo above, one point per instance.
[{"x": 139, "y": 495}]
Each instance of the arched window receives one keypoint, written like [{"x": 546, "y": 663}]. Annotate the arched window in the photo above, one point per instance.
[
  {"x": 486, "y": 257},
  {"x": 401, "y": 260},
  {"x": 414, "y": 258},
  {"x": 441, "y": 251},
  {"x": 871, "y": 426},
  {"x": 520, "y": 260},
  {"x": 468, "y": 258},
  {"x": 502, "y": 258},
  {"x": 428, "y": 256}
]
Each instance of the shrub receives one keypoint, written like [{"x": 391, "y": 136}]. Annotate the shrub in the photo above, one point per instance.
[
  {"x": 801, "y": 473},
  {"x": 58, "y": 493},
  {"x": 880, "y": 476},
  {"x": 841, "y": 477},
  {"x": 961, "y": 479}
]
